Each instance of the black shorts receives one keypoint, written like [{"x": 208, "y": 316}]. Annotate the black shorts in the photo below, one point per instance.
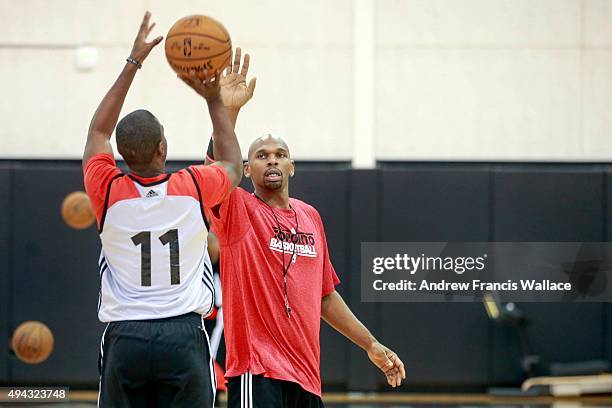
[
  {"x": 156, "y": 363},
  {"x": 256, "y": 391}
]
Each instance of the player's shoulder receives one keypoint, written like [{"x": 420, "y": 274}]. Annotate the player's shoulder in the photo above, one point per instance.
[
  {"x": 204, "y": 168},
  {"x": 193, "y": 173},
  {"x": 98, "y": 171},
  {"x": 184, "y": 172},
  {"x": 100, "y": 161}
]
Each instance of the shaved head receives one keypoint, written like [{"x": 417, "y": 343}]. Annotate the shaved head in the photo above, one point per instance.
[
  {"x": 269, "y": 166},
  {"x": 260, "y": 141}
]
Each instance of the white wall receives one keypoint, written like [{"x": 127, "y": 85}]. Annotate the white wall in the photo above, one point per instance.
[
  {"x": 482, "y": 79},
  {"x": 453, "y": 79}
]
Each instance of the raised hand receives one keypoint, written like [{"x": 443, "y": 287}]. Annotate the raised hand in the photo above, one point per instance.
[
  {"x": 142, "y": 48},
  {"x": 234, "y": 91},
  {"x": 209, "y": 88},
  {"x": 388, "y": 362}
]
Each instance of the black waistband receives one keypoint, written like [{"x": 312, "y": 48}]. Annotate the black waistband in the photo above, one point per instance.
[{"x": 187, "y": 317}]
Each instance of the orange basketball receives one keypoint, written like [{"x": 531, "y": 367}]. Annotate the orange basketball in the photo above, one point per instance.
[
  {"x": 198, "y": 43},
  {"x": 32, "y": 342},
  {"x": 77, "y": 211}
]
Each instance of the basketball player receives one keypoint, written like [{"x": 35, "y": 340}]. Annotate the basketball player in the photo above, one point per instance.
[
  {"x": 278, "y": 281},
  {"x": 155, "y": 274}
]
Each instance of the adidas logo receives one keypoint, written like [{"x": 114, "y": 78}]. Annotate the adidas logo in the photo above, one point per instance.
[{"x": 152, "y": 193}]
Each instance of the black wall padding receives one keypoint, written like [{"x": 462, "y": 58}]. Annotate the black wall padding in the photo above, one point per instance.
[
  {"x": 364, "y": 211},
  {"x": 548, "y": 205},
  {"x": 48, "y": 271},
  {"x": 55, "y": 277},
  {"x": 6, "y": 192},
  {"x": 607, "y": 341},
  {"x": 439, "y": 342},
  {"x": 563, "y": 203}
]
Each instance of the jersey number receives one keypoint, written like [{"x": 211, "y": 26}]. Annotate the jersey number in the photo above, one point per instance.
[{"x": 144, "y": 239}]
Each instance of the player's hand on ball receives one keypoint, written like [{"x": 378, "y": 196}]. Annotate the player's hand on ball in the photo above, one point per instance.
[
  {"x": 208, "y": 88},
  {"x": 388, "y": 362},
  {"x": 234, "y": 90},
  {"x": 142, "y": 48}
]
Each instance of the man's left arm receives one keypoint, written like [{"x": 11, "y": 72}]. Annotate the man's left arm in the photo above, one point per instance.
[
  {"x": 105, "y": 119},
  {"x": 338, "y": 315},
  {"x": 234, "y": 92}
]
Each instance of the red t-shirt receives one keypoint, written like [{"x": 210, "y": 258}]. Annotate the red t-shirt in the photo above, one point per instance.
[
  {"x": 260, "y": 337},
  {"x": 213, "y": 183}
]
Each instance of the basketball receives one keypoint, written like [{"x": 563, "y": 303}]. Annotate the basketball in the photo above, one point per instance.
[
  {"x": 198, "y": 43},
  {"x": 32, "y": 342},
  {"x": 77, "y": 211}
]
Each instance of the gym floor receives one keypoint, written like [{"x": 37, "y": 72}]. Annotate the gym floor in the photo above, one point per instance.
[{"x": 87, "y": 399}]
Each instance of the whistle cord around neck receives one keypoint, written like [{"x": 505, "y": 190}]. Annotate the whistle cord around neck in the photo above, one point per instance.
[{"x": 293, "y": 255}]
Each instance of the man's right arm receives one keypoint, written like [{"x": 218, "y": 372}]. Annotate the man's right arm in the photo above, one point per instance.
[{"x": 227, "y": 149}]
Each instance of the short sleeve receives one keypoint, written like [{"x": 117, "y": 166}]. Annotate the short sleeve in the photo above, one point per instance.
[
  {"x": 230, "y": 220},
  {"x": 99, "y": 170},
  {"x": 214, "y": 184},
  {"x": 330, "y": 278}
]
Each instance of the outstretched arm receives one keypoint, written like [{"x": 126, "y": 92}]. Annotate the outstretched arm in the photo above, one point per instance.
[
  {"x": 105, "y": 119},
  {"x": 227, "y": 149},
  {"x": 338, "y": 315},
  {"x": 234, "y": 93}
]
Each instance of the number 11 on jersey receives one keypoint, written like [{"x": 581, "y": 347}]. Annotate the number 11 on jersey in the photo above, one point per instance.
[{"x": 144, "y": 240}]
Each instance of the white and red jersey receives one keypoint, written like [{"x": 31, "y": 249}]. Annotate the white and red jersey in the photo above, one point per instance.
[{"x": 154, "y": 261}]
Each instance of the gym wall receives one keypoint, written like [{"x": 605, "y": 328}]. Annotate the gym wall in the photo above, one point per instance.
[
  {"x": 48, "y": 271},
  {"x": 450, "y": 80}
]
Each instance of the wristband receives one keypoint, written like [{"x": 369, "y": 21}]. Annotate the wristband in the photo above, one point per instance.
[{"x": 134, "y": 61}]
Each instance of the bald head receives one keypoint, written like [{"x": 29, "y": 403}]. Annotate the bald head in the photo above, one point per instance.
[
  {"x": 266, "y": 139},
  {"x": 270, "y": 165}
]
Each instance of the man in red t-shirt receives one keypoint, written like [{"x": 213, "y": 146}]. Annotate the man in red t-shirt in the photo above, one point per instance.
[
  {"x": 156, "y": 280},
  {"x": 277, "y": 280}
]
